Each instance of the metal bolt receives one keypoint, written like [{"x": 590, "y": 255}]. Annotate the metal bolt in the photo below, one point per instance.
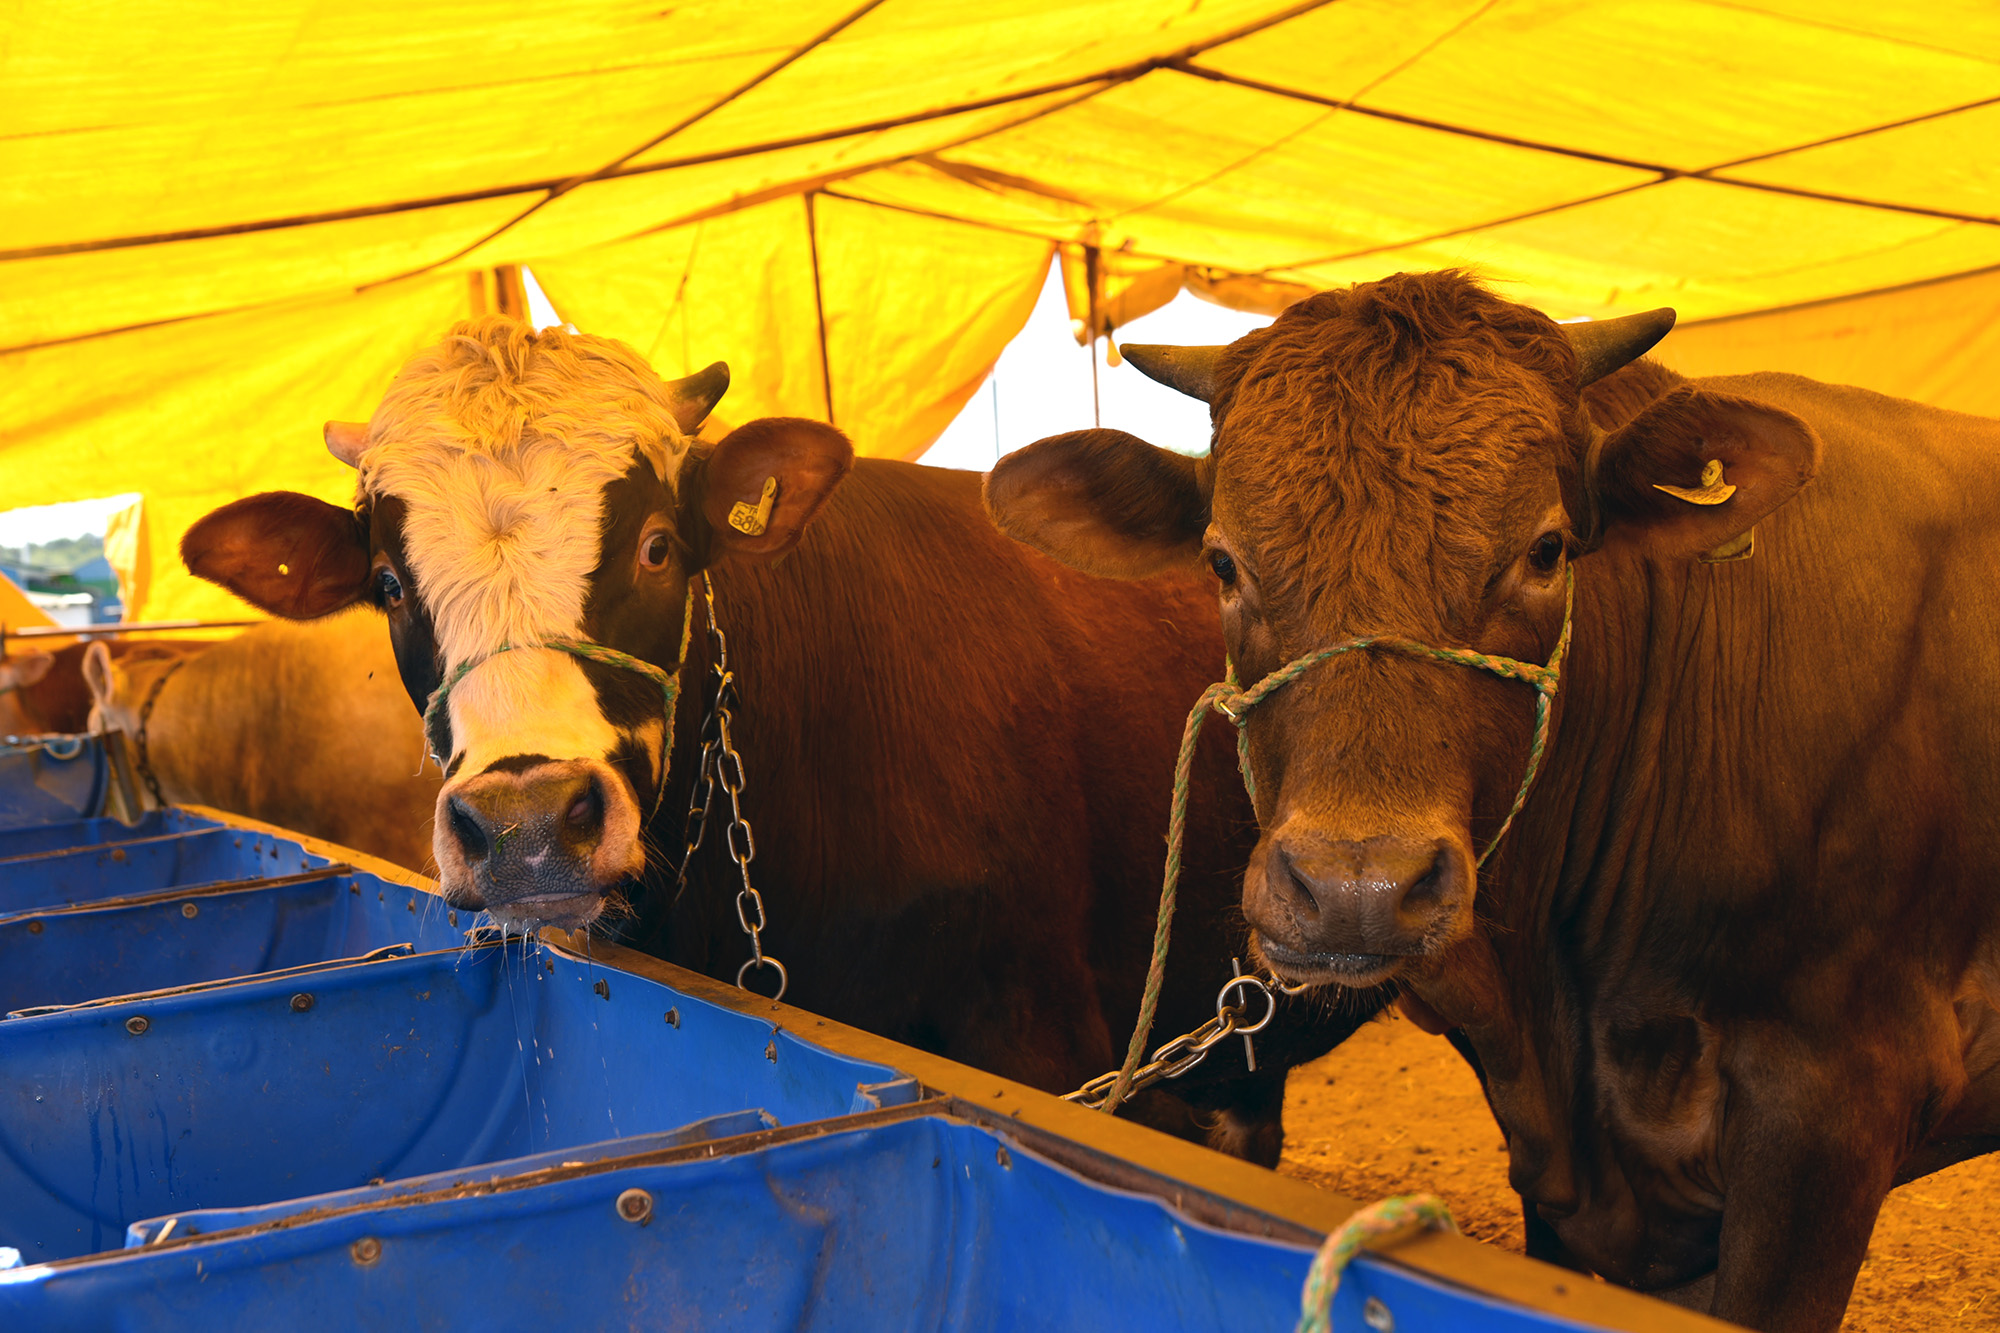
[
  {"x": 1005, "y": 1159},
  {"x": 603, "y": 989},
  {"x": 189, "y": 910},
  {"x": 771, "y": 1051},
  {"x": 673, "y": 1018},
  {"x": 301, "y": 1002},
  {"x": 366, "y": 1250},
  {"x": 636, "y": 1206},
  {"x": 137, "y": 1024},
  {"x": 34, "y": 927},
  {"x": 1376, "y": 1315},
  {"x": 453, "y": 916}
]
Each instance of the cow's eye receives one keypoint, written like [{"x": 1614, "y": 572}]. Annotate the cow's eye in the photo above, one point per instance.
[
  {"x": 388, "y": 588},
  {"x": 1547, "y": 552},
  {"x": 1224, "y": 567},
  {"x": 655, "y": 549}
]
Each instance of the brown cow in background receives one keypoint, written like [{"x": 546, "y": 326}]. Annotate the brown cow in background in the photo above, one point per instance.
[
  {"x": 303, "y": 726},
  {"x": 1735, "y": 971}
]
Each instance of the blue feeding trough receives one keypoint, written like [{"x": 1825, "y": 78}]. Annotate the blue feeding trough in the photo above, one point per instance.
[
  {"x": 246, "y": 1082},
  {"x": 326, "y": 1078}
]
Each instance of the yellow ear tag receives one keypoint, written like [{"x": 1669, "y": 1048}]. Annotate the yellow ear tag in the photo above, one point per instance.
[
  {"x": 1712, "y": 491},
  {"x": 751, "y": 520}
]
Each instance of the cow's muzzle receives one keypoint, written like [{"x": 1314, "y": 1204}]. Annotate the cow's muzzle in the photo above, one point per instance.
[
  {"x": 1354, "y": 911},
  {"x": 541, "y": 844}
]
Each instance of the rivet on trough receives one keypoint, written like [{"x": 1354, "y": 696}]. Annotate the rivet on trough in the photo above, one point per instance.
[
  {"x": 603, "y": 989},
  {"x": 34, "y": 927},
  {"x": 301, "y": 1002},
  {"x": 636, "y": 1206},
  {"x": 137, "y": 1024},
  {"x": 1005, "y": 1158},
  {"x": 453, "y": 916},
  {"x": 673, "y": 1018},
  {"x": 771, "y": 1051},
  {"x": 1376, "y": 1315},
  {"x": 366, "y": 1250},
  {"x": 189, "y": 910}
]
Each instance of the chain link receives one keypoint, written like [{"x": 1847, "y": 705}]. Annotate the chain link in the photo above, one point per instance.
[
  {"x": 721, "y": 766},
  {"x": 1184, "y": 1052}
]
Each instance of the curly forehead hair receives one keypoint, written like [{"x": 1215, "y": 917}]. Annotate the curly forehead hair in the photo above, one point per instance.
[
  {"x": 495, "y": 386},
  {"x": 1371, "y": 443},
  {"x": 500, "y": 441}
]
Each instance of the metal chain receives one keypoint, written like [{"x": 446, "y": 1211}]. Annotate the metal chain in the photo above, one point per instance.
[
  {"x": 722, "y": 765},
  {"x": 1184, "y": 1052}
]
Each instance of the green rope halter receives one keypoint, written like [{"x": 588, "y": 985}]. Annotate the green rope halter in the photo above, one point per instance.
[
  {"x": 1226, "y": 698},
  {"x": 668, "y": 681}
]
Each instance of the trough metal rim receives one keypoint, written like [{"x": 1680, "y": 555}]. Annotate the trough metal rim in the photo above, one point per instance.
[
  {"x": 1207, "y": 1186},
  {"x": 178, "y": 893}
]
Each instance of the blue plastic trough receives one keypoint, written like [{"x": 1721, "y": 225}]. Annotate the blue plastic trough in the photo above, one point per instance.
[{"x": 251, "y": 1081}]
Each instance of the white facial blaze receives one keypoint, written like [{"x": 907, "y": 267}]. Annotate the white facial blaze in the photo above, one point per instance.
[
  {"x": 527, "y": 702},
  {"x": 500, "y": 443}
]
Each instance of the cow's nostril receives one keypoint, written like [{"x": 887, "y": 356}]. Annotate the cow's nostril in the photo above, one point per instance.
[
  {"x": 1295, "y": 888},
  {"x": 587, "y": 809},
  {"x": 465, "y": 827}
]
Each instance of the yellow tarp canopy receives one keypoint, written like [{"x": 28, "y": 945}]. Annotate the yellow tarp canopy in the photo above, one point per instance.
[{"x": 221, "y": 225}]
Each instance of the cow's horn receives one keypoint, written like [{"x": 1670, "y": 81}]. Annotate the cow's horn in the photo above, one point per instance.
[
  {"x": 1603, "y": 345},
  {"x": 1192, "y": 370},
  {"x": 694, "y": 397},
  {"x": 346, "y": 439}
]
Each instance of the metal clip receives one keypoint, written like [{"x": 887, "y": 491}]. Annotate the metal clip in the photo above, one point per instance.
[{"x": 751, "y": 520}]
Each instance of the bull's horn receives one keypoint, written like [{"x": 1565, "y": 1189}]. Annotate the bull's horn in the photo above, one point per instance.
[
  {"x": 1603, "y": 345},
  {"x": 694, "y": 397},
  {"x": 1192, "y": 370},
  {"x": 345, "y": 440}
]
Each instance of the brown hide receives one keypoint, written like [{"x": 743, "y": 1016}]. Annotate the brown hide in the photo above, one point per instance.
[
  {"x": 960, "y": 755},
  {"x": 1736, "y": 968},
  {"x": 59, "y": 701},
  {"x": 304, "y": 726}
]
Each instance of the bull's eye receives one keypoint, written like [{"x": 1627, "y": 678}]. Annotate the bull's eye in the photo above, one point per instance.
[
  {"x": 1224, "y": 567},
  {"x": 388, "y": 588},
  {"x": 655, "y": 549},
  {"x": 1547, "y": 552}
]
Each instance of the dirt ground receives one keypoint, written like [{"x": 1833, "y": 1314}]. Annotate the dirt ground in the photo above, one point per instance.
[{"x": 1394, "y": 1110}]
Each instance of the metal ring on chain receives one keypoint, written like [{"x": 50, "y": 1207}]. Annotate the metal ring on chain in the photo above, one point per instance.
[
  {"x": 784, "y": 977},
  {"x": 1256, "y": 983}
]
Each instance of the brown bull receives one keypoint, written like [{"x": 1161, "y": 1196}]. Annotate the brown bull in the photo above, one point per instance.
[
  {"x": 1733, "y": 972},
  {"x": 957, "y": 751}
]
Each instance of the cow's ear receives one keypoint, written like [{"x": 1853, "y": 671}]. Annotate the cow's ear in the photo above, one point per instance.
[
  {"x": 1693, "y": 472},
  {"x": 1103, "y": 502},
  {"x": 765, "y": 480},
  {"x": 19, "y": 673},
  {"x": 288, "y": 554},
  {"x": 103, "y": 679}
]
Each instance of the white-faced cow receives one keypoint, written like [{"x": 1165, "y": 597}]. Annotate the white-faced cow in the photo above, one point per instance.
[
  {"x": 958, "y": 752},
  {"x": 1733, "y": 972}
]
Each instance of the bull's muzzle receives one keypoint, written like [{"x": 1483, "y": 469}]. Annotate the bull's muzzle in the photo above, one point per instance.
[
  {"x": 538, "y": 844},
  {"x": 1353, "y": 911}
]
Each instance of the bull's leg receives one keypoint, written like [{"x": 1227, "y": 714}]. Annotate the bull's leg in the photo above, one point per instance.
[
  {"x": 1806, "y": 1167},
  {"x": 1252, "y": 1122},
  {"x": 1243, "y": 1116}
]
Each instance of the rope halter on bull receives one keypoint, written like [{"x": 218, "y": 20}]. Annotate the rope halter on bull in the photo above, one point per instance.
[
  {"x": 1235, "y": 704},
  {"x": 668, "y": 681}
]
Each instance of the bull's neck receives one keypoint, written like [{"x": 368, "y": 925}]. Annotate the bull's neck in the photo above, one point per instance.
[{"x": 1557, "y": 901}]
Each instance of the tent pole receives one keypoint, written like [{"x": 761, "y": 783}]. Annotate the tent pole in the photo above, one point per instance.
[{"x": 819, "y": 305}]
